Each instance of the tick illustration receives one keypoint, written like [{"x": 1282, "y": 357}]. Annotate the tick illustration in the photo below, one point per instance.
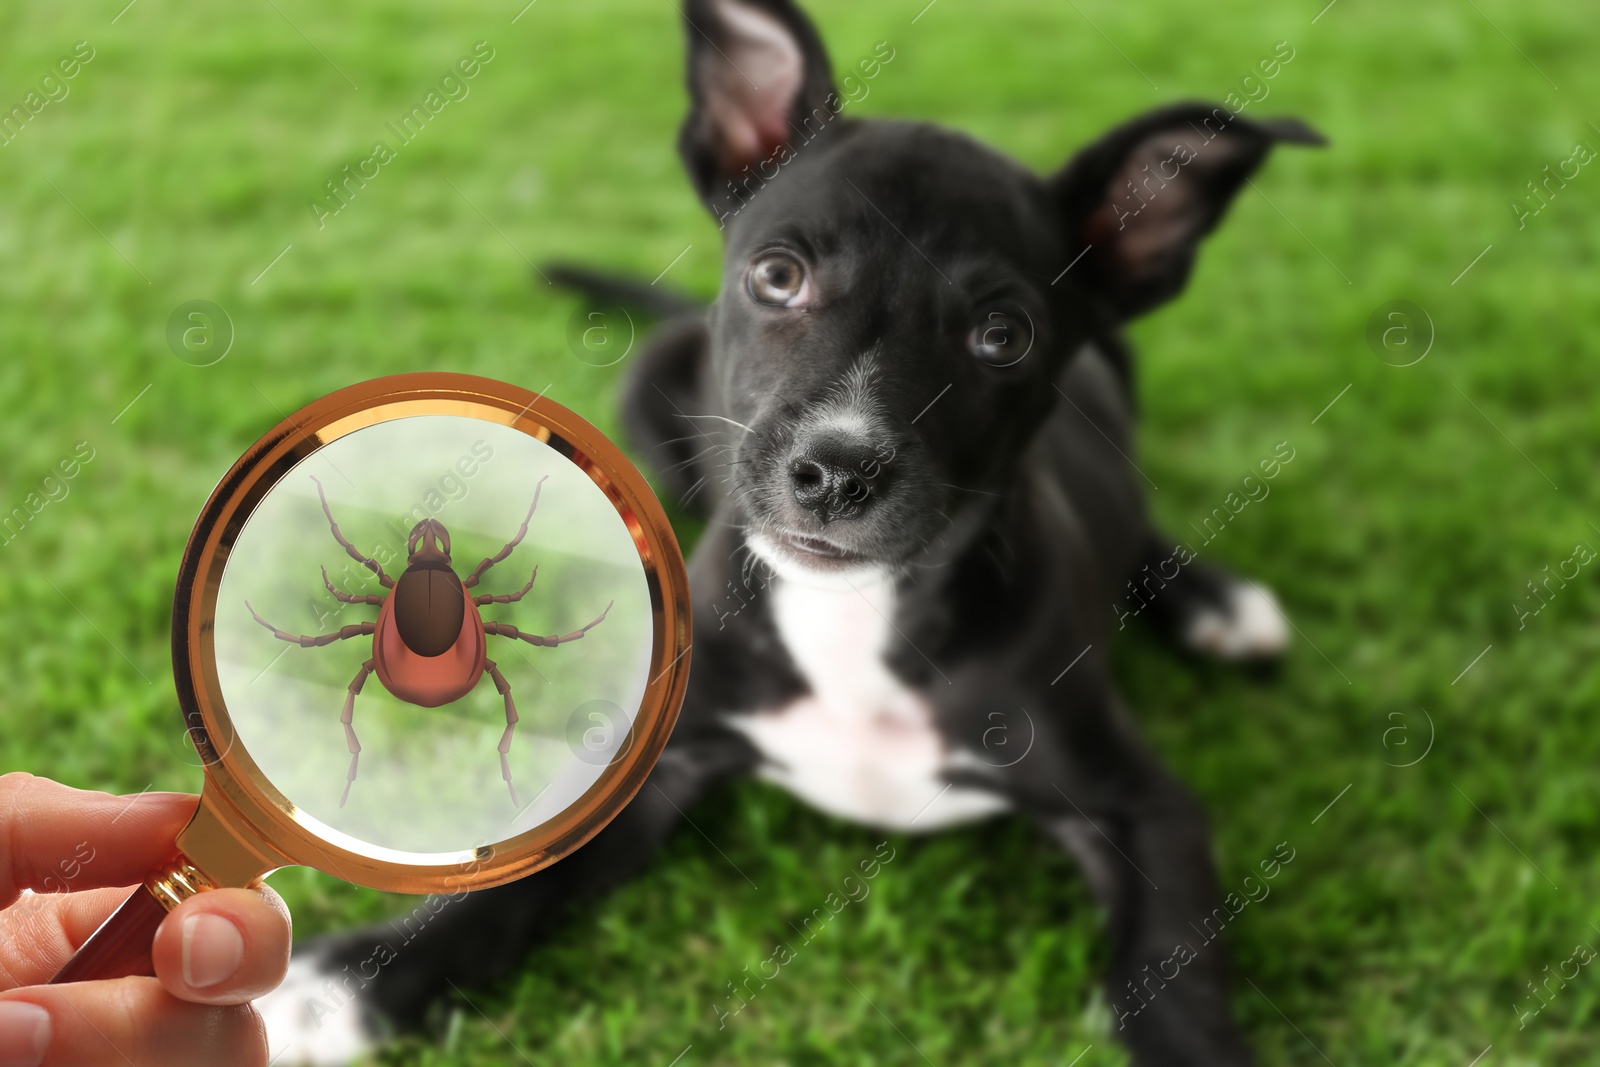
[{"x": 428, "y": 645}]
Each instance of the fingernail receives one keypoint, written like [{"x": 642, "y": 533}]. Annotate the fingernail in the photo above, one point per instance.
[
  {"x": 24, "y": 1034},
  {"x": 213, "y": 949}
]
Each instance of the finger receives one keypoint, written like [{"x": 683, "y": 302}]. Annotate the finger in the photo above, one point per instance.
[
  {"x": 54, "y": 838},
  {"x": 38, "y": 934},
  {"x": 228, "y": 946},
  {"x": 131, "y": 1021}
]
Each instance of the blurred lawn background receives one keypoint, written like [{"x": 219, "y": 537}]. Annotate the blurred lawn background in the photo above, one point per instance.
[{"x": 1407, "y": 927}]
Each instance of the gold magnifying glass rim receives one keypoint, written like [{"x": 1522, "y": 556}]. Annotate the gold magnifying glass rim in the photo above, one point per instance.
[{"x": 245, "y": 823}]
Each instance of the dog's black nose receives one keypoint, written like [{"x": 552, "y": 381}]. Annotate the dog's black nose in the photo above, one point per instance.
[{"x": 835, "y": 480}]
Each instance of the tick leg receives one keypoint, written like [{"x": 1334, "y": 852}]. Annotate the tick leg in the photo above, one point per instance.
[
  {"x": 348, "y": 718},
  {"x": 349, "y": 598},
  {"x": 508, "y": 598},
  {"x": 505, "y": 629},
  {"x": 305, "y": 641},
  {"x": 355, "y": 554},
  {"x": 472, "y": 579},
  {"x": 504, "y": 688}
]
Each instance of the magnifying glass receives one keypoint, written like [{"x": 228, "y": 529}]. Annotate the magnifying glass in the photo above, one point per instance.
[{"x": 430, "y": 634}]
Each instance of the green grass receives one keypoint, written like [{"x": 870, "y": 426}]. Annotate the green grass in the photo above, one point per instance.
[{"x": 1415, "y": 510}]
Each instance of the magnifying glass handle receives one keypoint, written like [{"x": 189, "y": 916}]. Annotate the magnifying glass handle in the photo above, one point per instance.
[{"x": 121, "y": 946}]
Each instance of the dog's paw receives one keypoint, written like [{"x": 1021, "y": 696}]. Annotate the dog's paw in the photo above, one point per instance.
[
  {"x": 314, "y": 1019},
  {"x": 1249, "y": 625}
]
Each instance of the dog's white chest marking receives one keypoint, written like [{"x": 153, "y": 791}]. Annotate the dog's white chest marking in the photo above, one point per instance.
[{"x": 861, "y": 745}]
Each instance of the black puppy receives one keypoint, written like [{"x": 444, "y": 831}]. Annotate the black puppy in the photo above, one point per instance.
[{"x": 909, "y": 414}]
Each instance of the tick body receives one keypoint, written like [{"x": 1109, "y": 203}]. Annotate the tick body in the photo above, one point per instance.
[
  {"x": 430, "y": 642},
  {"x": 429, "y": 648}
]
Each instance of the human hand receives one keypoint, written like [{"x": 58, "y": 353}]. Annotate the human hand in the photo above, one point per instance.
[{"x": 213, "y": 954}]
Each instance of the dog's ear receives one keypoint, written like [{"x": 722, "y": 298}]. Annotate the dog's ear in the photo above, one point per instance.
[
  {"x": 1137, "y": 202},
  {"x": 758, "y": 80}
]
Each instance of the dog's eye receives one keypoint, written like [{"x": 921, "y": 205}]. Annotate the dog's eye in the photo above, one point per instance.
[
  {"x": 1001, "y": 338},
  {"x": 778, "y": 279}
]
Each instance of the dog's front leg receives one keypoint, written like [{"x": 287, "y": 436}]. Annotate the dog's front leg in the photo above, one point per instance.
[
  {"x": 1146, "y": 852},
  {"x": 346, "y": 992}
]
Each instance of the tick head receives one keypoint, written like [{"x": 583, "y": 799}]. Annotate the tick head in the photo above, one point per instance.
[{"x": 429, "y": 543}]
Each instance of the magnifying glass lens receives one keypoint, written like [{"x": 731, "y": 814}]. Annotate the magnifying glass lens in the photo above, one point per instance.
[
  {"x": 414, "y": 622},
  {"x": 430, "y": 635}
]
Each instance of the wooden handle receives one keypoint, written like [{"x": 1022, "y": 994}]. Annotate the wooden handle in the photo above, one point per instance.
[{"x": 121, "y": 947}]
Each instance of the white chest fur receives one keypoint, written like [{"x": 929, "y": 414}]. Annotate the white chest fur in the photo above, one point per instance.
[{"x": 861, "y": 745}]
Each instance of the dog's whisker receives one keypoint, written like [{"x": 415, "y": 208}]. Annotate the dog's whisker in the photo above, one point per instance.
[
  {"x": 697, "y": 455},
  {"x": 693, "y": 489},
  {"x": 690, "y": 437},
  {"x": 720, "y": 418},
  {"x": 964, "y": 489},
  {"x": 692, "y": 459}
]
